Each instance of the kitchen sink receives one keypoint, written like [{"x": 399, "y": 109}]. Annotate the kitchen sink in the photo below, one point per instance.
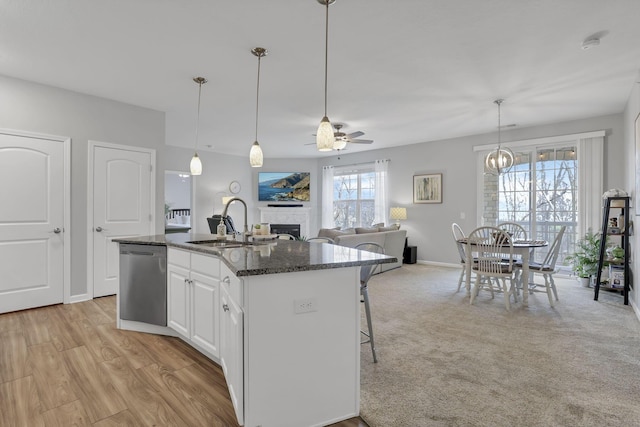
[{"x": 220, "y": 243}]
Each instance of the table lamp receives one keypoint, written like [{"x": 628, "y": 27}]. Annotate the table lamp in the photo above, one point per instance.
[{"x": 398, "y": 213}]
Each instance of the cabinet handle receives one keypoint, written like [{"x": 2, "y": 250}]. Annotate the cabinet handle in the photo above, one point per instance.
[
  {"x": 225, "y": 307},
  {"x": 226, "y": 280}
]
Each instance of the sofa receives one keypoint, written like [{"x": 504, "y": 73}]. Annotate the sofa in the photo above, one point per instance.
[{"x": 390, "y": 238}]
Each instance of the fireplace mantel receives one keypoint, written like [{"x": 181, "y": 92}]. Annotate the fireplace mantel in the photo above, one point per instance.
[{"x": 287, "y": 216}]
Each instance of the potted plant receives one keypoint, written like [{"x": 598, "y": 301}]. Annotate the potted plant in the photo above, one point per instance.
[{"x": 585, "y": 257}]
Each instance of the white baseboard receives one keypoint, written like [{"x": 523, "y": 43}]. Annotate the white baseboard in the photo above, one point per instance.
[
  {"x": 437, "y": 264},
  {"x": 78, "y": 298}
]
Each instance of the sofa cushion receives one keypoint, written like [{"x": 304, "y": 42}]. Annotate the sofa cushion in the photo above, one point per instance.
[
  {"x": 362, "y": 230},
  {"x": 389, "y": 228},
  {"x": 333, "y": 233}
]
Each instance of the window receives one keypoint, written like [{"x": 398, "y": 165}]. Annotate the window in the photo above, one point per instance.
[
  {"x": 539, "y": 193},
  {"x": 354, "y": 198},
  {"x": 555, "y": 181}
]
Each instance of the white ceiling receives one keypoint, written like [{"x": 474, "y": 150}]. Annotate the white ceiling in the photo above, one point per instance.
[{"x": 403, "y": 72}]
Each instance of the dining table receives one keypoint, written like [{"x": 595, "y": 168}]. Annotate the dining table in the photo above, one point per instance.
[{"x": 523, "y": 248}]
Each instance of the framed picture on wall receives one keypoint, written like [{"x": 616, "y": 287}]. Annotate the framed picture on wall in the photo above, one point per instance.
[{"x": 427, "y": 188}]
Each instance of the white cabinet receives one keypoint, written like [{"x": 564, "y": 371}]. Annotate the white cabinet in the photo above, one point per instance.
[
  {"x": 231, "y": 349},
  {"x": 193, "y": 298}
]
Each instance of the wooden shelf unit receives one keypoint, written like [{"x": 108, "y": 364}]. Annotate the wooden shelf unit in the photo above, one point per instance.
[{"x": 623, "y": 235}]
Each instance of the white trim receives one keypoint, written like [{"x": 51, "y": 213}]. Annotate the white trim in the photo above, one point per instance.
[
  {"x": 90, "y": 168},
  {"x": 66, "y": 238},
  {"x": 543, "y": 141},
  {"x": 78, "y": 298},
  {"x": 437, "y": 264}
]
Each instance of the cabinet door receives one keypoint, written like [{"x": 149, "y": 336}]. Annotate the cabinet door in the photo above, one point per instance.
[
  {"x": 205, "y": 301},
  {"x": 231, "y": 351},
  {"x": 178, "y": 299}
]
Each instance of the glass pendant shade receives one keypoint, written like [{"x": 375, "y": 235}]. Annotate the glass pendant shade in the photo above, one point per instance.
[
  {"x": 324, "y": 136},
  {"x": 499, "y": 161},
  {"x": 339, "y": 144},
  {"x": 195, "y": 165},
  {"x": 255, "y": 155}
]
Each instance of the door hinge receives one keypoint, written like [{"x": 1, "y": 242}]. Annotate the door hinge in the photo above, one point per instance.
[{"x": 150, "y": 168}]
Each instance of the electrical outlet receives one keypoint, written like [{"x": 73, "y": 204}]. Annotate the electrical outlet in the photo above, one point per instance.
[{"x": 305, "y": 305}]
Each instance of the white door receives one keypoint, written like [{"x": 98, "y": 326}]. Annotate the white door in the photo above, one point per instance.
[
  {"x": 122, "y": 207},
  {"x": 31, "y": 222}
]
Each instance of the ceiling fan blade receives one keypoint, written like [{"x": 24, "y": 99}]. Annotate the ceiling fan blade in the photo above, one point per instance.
[
  {"x": 355, "y": 134},
  {"x": 361, "y": 141}
]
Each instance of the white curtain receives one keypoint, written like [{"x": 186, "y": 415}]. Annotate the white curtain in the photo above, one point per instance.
[
  {"x": 382, "y": 191},
  {"x": 327, "y": 197}
]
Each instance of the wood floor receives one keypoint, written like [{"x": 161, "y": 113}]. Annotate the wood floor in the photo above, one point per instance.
[{"x": 67, "y": 365}]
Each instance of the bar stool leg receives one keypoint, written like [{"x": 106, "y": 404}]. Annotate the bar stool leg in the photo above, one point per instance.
[{"x": 365, "y": 296}]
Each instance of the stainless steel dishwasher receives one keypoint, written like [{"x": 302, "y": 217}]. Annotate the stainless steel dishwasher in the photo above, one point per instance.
[{"x": 143, "y": 283}]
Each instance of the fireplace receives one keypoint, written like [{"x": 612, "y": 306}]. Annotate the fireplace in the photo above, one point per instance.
[
  {"x": 288, "y": 216},
  {"x": 293, "y": 229}
]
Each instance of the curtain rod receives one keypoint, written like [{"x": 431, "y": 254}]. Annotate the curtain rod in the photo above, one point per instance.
[{"x": 361, "y": 163}]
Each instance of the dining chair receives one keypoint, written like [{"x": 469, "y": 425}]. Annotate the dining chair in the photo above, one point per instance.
[
  {"x": 321, "y": 240},
  {"x": 515, "y": 230},
  {"x": 366, "y": 271},
  {"x": 546, "y": 268},
  {"x": 458, "y": 235},
  {"x": 494, "y": 259}
]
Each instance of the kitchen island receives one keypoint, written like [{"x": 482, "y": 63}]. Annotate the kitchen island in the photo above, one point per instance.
[{"x": 281, "y": 317}]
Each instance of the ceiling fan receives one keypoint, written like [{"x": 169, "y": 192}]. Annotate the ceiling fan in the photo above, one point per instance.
[{"x": 342, "y": 139}]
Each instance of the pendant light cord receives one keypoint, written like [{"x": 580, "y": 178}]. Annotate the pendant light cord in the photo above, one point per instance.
[
  {"x": 198, "y": 117},
  {"x": 499, "y": 101},
  {"x": 258, "y": 95},
  {"x": 326, "y": 56}
]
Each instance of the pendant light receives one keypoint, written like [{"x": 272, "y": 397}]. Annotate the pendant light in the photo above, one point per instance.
[
  {"x": 501, "y": 159},
  {"x": 196, "y": 164},
  {"x": 324, "y": 135},
  {"x": 255, "y": 155}
]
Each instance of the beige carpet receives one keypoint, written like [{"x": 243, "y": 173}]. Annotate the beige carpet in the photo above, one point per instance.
[{"x": 443, "y": 362}]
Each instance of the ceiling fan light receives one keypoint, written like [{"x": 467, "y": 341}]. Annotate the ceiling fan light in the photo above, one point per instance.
[
  {"x": 255, "y": 155},
  {"x": 324, "y": 136},
  {"x": 339, "y": 144},
  {"x": 195, "y": 165}
]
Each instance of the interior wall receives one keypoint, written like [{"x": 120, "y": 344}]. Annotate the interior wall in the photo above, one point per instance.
[
  {"x": 429, "y": 225},
  {"x": 33, "y": 107},
  {"x": 219, "y": 170},
  {"x": 632, "y": 156}
]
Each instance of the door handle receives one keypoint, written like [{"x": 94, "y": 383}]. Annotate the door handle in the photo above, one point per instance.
[
  {"x": 57, "y": 230},
  {"x": 99, "y": 229},
  {"x": 225, "y": 307}
]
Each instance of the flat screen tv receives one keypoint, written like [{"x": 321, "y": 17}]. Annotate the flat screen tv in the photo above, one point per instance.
[{"x": 283, "y": 186}]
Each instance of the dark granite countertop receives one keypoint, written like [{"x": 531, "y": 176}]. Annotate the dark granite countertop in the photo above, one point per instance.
[{"x": 269, "y": 256}]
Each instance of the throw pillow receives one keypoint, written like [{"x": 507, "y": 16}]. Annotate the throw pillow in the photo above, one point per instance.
[{"x": 389, "y": 228}]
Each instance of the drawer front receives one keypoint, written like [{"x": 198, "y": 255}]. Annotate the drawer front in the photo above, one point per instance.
[
  {"x": 232, "y": 284},
  {"x": 204, "y": 264},
  {"x": 178, "y": 257}
]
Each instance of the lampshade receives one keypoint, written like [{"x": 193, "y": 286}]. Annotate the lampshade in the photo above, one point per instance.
[
  {"x": 255, "y": 155},
  {"x": 195, "y": 165},
  {"x": 324, "y": 136},
  {"x": 398, "y": 213}
]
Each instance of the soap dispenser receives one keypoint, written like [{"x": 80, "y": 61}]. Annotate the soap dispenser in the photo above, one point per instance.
[{"x": 222, "y": 229}]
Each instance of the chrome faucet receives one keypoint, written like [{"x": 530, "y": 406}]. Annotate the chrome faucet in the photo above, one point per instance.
[{"x": 246, "y": 234}]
